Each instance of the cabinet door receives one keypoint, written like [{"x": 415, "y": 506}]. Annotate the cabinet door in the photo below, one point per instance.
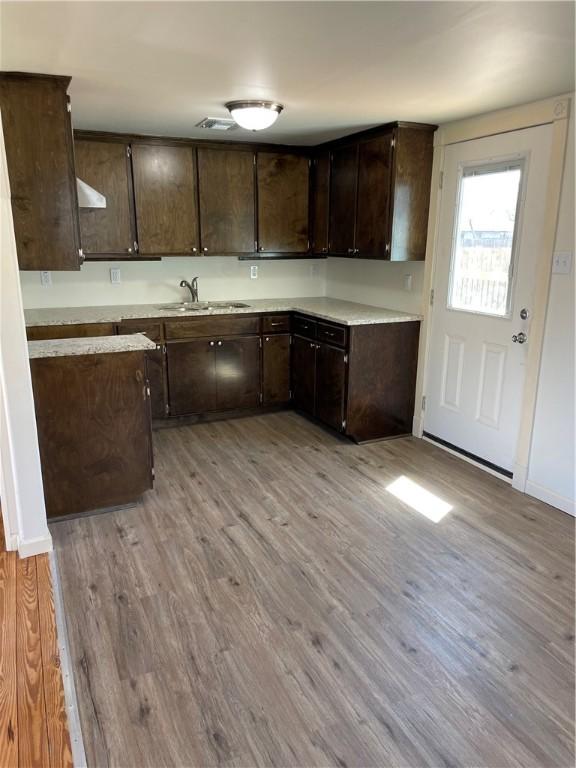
[
  {"x": 330, "y": 385},
  {"x": 276, "y": 369},
  {"x": 226, "y": 192},
  {"x": 105, "y": 166},
  {"x": 165, "y": 195},
  {"x": 40, "y": 159},
  {"x": 238, "y": 373},
  {"x": 191, "y": 376},
  {"x": 373, "y": 208},
  {"x": 320, "y": 202},
  {"x": 283, "y": 191},
  {"x": 343, "y": 183},
  {"x": 303, "y": 374},
  {"x": 155, "y": 373}
]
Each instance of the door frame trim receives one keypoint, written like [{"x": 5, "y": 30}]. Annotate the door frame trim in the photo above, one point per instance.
[{"x": 554, "y": 111}]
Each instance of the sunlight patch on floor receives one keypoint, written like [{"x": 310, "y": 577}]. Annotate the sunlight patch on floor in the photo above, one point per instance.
[{"x": 412, "y": 494}]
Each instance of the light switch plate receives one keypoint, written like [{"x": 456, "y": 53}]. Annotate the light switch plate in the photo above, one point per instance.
[
  {"x": 45, "y": 278},
  {"x": 562, "y": 263},
  {"x": 254, "y": 272},
  {"x": 115, "y": 276}
]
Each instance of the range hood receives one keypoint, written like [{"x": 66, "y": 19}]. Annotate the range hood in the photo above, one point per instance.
[{"x": 88, "y": 197}]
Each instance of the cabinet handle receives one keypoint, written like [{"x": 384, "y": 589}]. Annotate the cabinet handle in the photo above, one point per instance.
[
  {"x": 211, "y": 343},
  {"x": 219, "y": 343},
  {"x": 276, "y": 323},
  {"x": 312, "y": 346},
  {"x": 267, "y": 338},
  {"x": 350, "y": 250},
  {"x": 205, "y": 250},
  {"x": 194, "y": 249},
  {"x": 329, "y": 333}
]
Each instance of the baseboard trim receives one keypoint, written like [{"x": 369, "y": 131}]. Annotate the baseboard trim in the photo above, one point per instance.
[
  {"x": 549, "y": 497},
  {"x": 67, "y": 669},
  {"x": 38, "y": 546},
  {"x": 471, "y": 458}
]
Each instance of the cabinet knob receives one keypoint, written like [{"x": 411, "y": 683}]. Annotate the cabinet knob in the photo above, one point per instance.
[
  {"x": 194, "y": 250},
  {"x": 261, "y": 248},
  {"x": 219, "y": 343},
  {"x": 267, "y": 338},
  {"x": 211, "y": 343},
  {"x": 129, "y": 250},
  {"x": 205, "y": 250},
  {"x": 350, "y": 250},
  {"x": 312, "y": 345}
]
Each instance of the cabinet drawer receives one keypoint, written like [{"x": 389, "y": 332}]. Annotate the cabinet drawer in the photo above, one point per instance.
[
  {"x": 332, "y": 334},
  {"x": 151, "y": 329},
  {"x": 276, "y": 324},
  {"x": 84, "y": 330},
  {"x": 211, "y": 326},
  {"x": 303, "y": 326}
]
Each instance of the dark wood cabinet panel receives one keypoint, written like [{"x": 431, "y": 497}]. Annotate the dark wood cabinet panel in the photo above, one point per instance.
[
  {"x": 304, "y": 374},
  {"x": 330, "y": 385},
  {"x": 40, "y": 158},
  {"x": 332, "y": 334},
  {"x": 276, "y": 369},
  {"x": 212, "y": 326},
  {"x": 80, "y": 330},
  {"x": 237, "y": 373},
  {"x": 105, "y": 166},
  {"x": 321, "y": 202},
  {"x": 304, "y": 326},
  {"x": 373, "y": 205},
  {"x": 165, "y": 195},
  {"x": 276, "y": 324},
  {"x": 382, "y": 380},
  {"x": 191, "y": 376},
  {"x": 150, "y": 328},
  {"x": 94, "y": 432},
  {"x": 226, "y": 192},
  {"x": 343, "y": 188},
  {"x": 283, "y": 192},
  {"x": 413, "y": 171},
  {"x": 156, "y": 378}
]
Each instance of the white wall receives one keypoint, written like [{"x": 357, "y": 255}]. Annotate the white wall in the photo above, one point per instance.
[
  {"x": 152, "y": 281},
  {"x": 376, "y": 282},
  {"x": 551, "y": 465},
  {"x": 23, "y": 509}
]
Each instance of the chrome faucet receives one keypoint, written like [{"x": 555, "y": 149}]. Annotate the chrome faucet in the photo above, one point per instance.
[{"x": 192, "y": 287}]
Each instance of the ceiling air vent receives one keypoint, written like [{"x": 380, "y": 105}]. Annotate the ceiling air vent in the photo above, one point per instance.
[{"x": 217, "y": 123}]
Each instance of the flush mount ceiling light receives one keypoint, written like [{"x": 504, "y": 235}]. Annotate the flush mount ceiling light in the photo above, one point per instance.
[{"x": 254, "y": 115}]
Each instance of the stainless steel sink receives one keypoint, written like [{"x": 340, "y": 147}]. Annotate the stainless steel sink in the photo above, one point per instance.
[{"x": 201, "y": 306}]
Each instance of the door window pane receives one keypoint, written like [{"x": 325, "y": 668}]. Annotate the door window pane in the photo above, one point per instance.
[{"x": 483, "y": 248}]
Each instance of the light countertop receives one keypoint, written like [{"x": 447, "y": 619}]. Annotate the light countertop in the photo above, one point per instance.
[
  {"x": 334, "y": 310},
  {"x": 93, "y": 345}
]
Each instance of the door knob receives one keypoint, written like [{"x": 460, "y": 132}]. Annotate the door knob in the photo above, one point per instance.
[{"x": 520, "y": 338}]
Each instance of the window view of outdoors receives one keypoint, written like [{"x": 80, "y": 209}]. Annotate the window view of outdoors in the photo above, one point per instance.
[{"x": 483, "y": 246}]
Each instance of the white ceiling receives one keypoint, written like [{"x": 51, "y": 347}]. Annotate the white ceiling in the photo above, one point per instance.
[{"x": 159, "y": 67}]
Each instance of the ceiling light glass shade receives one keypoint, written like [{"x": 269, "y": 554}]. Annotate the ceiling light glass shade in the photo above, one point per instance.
[{"x": 254, "y": 115}]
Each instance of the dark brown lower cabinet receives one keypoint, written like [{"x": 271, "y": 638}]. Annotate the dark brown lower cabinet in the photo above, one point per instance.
[
  {"x": 237, "y": 373},
  {"x": 276, "y": 369},
  {"x": 213, "y": 375},
  {"x": 191, "y": 376},
  {"x": 94, "y": 432},
  {"x": 155, "y": 373},
  {"x": 304, "y": 374},
  {"x": 330, "y": 385}
]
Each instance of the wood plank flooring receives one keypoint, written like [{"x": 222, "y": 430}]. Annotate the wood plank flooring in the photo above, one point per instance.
[
  {"x": 33, "y": 721},
  {"x": 270, "y": 603}
]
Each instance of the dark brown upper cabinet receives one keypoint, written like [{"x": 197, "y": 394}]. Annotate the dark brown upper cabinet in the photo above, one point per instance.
[
  {"x": 320, "y": 202},
  {"x": 165, "y": 199},
  {"x": 373, "y": 197},
  {"x": 283, "y": 197},
  {"x": 105, "y": 166},
  {"x": 226, "y": 192},
  {"x": 343, "y": 188},
  {"x": 380, "y": 193},
  {"x": 40, "y": 157}
]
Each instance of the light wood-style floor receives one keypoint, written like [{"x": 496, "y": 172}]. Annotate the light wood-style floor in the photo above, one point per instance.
[
  {"x": 33, "y": 722},
  {"x": 270, "y": 603}
]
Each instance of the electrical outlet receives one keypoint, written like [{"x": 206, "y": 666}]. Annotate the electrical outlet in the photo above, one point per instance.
[
  {"x": 562, "y": 263},
  {"x": 254, "y": 272},
  {"x": 407, "y": 282},
  {"x": 45, "y": 278},
  {"x": 115, "y": 276}
]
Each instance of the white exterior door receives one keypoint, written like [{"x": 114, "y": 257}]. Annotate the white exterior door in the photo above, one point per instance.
[{"x": 491, "y": 216}]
